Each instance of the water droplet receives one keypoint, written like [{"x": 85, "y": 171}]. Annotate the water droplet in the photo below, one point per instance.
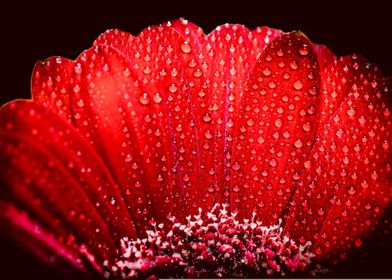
[
  {"x": 313, "y": 91},
  {"x": 185, "y": 47},
  {"x": 298, "y": 143},
  {"x": 351, "y": 191},
  {"x": 80, "y": 103},
  {"x": 267, "y": 72},
  {"x": 186, "y": 177},
  {"x": 294, "y": 65},
  {"x": 76, "y": 88},
  {"x": 147, "y": 70},
  {"x": 320, "y": 212},
  {"x": 250, "y": 122},
  {"x": 78, "y": 68},
  {"x": 236, "y": 166},
  {"x": 278, "y": 123},
  {"x": 172, "y": 88},
  {"x": 157, "y": 98},
  {"x": 351, "y": 112},
  {"x": 138, "y": 184},
  {"x": 304, "y": 50},
  {"x": 144, "y": 99},
  {"x": 339, "y": 133},
  {"x": 197, "y": 73},
  {"x": 374, "y": 175},
  {"x": 358, "y": 242},
  {"x": 207, "y": 117},
  {"x": 208, "y": 134},
  {"x": 272, "y": 85},
  {"x": 298, "y": 85},
  {"x": 364, "y": 184},
  {"x": 307, "y": 126},
  {"x": 273, "y": 162}
]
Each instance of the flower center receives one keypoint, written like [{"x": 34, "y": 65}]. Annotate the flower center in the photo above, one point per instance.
[{"x": 210, "y": 245}]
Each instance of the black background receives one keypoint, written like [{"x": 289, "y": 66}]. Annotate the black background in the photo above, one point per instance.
[{"x": 36, "y": 31}]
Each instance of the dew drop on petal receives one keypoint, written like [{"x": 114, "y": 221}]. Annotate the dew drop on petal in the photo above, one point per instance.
[
  {"x": 80, "y": 103},
  {"x": 273, "y": 162},
  {"x": 278, "y": 123},
  {"x": 236, "y": 166},
  {"x": 298, "y": 85},
  {"x": 144, "y": 99},
  {"x": 307, "y": 126},
  {"x": 267, "y": 72},
  {"x": 351, "y": 112},
  {"x": 172, "y": 88},
  {"x": 304, "y": 50},
  {"x": 207, "y": 118},
  {"x": 294, "y": 65},
  {"x": 320, "y": 212},
  {"x": 298, "y": 143},
  {"x": 185, "y": 47},
  {"x": 157, "y": 98}
]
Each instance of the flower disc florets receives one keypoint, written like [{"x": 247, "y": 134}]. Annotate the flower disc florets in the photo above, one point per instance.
[{"x": 211, "y": 245}]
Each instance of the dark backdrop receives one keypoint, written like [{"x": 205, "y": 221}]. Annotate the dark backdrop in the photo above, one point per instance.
[{"x": 36, "y": 31}]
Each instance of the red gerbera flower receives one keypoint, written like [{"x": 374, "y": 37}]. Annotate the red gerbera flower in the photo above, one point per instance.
[{"x": 176, "y": 154}]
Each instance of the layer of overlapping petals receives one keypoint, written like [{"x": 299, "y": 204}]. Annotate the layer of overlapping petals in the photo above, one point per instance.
[{"x": 164, "y": 123}]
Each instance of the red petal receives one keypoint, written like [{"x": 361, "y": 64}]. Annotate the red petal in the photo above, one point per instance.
[
  {"x": 225, "y": 57},
  {"x": 136, "y": 112},
  {"x": 346, "y": 184},
  {"x": 229, "y": 53},
  {"x": 324, "y": 55},
  {"x": 36, "y": 240},
  {"x": 119, "y": 40},
  {"x": 167, "y": 75},
  {"x": 277, "y": 124},
  {"x": 52, "y": 172},
  {"x": 264, "y": 36},
  {"x": 50, "y": 85},
  {"x": 190, "y": 33}
]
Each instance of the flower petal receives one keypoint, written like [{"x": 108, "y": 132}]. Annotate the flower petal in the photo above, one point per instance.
[
  {"x": 225, "y": 57},
  {"x": 325, "y": 56},
  {"x": 70, "y": 262},
  {"x": 346, "y": 184},
  {"x": 135, "y": 111},
  {"x": 191, "y": 33},
  {"x": 52, "y": 172},
  {"x": 229, "y": 53},
  {"x": 50, "y": 85},
  {"x": 119, "y": 40},
  {"x": 277, "y": 125},
  {"x": 168, "y": 76}
]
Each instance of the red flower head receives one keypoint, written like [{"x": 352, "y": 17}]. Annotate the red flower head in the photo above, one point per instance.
[{"x": 172, "y": 153}]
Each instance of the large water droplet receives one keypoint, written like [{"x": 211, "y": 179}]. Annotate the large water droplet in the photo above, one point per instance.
[{"x": 304, "y": 50}]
